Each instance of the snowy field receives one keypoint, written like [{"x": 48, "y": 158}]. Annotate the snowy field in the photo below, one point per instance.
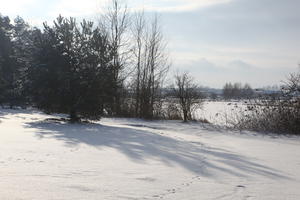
[
  {"x": 220, "y": 112},
  {"x": 135, "y": 159}
]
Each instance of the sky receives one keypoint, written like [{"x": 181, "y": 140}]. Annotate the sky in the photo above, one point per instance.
[{"x": 217, "y": 41}]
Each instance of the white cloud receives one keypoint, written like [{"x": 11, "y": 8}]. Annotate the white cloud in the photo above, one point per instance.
[
  {"x": 177, "y": 5},
  {"x": 80, "y": 8},
  {"x": 77, "y": 7},
  {"x": 91, "y": 7},
  {"x": 15, "y": 7}
]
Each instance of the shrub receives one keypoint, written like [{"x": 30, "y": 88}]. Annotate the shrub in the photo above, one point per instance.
[{"x": 280, "y": 115}]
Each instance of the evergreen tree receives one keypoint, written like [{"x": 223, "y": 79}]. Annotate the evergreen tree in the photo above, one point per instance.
[
  {"x": 72, "y": 69},
  {"x": 7, "y": 64},
  {"x": 14, "y": 59}
]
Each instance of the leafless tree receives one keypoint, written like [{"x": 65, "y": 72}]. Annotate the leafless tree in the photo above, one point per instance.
[
  {"x": 138, "y": 33},
  {"x": 151, "y": 63},
  {"x": 188, "y": 94},
  {"x": 116, "y": 21},
  {"x": 292, "y": 85}
]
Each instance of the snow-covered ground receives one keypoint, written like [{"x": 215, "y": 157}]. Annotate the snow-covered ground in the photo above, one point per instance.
[
  {"x": 135, "y": 159},
  {"x": 220, "y": 112}
]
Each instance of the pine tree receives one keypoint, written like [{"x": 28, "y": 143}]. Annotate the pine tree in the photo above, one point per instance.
[
  {"x": 72, "y": 69},
  {"x": 7, "y": 64}
]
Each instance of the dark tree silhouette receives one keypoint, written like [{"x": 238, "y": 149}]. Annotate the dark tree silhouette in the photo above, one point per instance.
[{"x": 72, "y": 70}]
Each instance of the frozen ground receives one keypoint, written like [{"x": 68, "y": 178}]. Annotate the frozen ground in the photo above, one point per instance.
[{"x": 134, "y": 159}]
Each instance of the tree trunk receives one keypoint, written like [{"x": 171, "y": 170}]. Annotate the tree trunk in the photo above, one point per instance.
[
  {"x": 185, "y": 116},
  {"x": 73, "y": 116}
]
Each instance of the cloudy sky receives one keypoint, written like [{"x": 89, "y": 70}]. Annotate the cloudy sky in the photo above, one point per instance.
[{"x": 253, "y": 41}]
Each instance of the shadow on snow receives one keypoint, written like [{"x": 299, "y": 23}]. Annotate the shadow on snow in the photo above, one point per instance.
[{"x": 141, "y": 145}]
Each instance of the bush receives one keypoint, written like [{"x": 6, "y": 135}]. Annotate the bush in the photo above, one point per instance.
[
  {"x": 173, "y": 112},
  {"x": 277, "y": 115}
]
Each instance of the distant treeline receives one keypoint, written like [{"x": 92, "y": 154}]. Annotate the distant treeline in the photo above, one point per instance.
[
  {"x": 237, "y": 91},
  {"x": 241, "y": 91}
]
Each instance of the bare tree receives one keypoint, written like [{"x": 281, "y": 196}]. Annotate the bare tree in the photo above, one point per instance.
[
  {"x": 138, "y": 33},
  {"x": 292, "y": 85},
  {"x": 116, "y": 22},
  {"x": 151, "y": 64},
  {"x": 188, "y": 94}
]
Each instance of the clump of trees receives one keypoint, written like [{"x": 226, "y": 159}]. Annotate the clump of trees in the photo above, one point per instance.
[
  {"x": 72, "y": 70},
  {"x": 237, "y": 91},
  {"x": 63, "y": 68},
  {"x": 115, "y": 67}
]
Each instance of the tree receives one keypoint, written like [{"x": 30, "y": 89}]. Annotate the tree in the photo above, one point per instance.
[
  {"x": 22, "y": 45},
  {"x": 8, "y": 64},
  {"x": 15, "y": 42},
  {"x": 188, "y": 94},
  {"x": 116, "y": 22},
  {"x": 151, "y": 64},
  {"x": 292, "y": 85},
  {"x": 227, "y": 91},
  {"x": 247, "y": 91},
  {"x": 72, "y": 70},
  {"x": 138, "y": 33}
]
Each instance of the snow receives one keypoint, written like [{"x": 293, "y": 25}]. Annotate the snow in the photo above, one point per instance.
[
  {"x": 136, "y": 159},
  {"x": 220, "y": 112}
]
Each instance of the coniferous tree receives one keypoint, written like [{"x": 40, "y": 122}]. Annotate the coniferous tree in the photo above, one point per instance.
[
  {"x": 14, "y": 60},
  {"x": 7, "y": 62},
  {"x": 22, "y": 47},
  {"x": 72, "y": 69}
]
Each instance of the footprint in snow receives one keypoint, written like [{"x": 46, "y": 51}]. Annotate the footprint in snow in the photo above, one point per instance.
[{"x": 240, "y": 186}]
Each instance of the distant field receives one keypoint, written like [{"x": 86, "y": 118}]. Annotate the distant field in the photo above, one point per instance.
[{"x": 219, "y": 112}]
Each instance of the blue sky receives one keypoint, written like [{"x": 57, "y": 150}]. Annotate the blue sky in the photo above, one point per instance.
[{"x": 254, "y": 41}]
